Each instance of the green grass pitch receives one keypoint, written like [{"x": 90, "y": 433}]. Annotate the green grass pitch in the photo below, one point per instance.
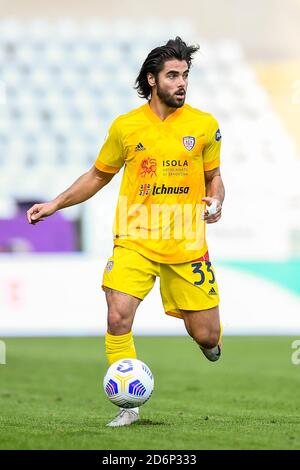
[{"x": 51, "y": 396}]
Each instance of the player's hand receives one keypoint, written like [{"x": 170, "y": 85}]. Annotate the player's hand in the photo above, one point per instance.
[
  {"x": 214, "y": 211},
  {"x": 38, "y": 212}
]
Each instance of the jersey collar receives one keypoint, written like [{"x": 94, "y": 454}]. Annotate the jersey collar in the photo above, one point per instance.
[{"x": 155, "y": 119}]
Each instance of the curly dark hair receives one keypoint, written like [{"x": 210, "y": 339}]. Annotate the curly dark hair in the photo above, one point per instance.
[{"x": 154, "y": 63}]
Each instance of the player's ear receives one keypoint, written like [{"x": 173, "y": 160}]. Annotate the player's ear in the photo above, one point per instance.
[{"x": 151, "y": 79}]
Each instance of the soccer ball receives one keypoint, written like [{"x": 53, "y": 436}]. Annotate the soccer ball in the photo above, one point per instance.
[{"x": 128, "y": 383}]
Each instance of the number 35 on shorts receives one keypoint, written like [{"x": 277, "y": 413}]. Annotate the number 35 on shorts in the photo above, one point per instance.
[{"x": 203, "y": 273}]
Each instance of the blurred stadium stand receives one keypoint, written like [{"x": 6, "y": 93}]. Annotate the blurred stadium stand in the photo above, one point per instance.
[
  {"x": 63, "y": 82},
  {"x": 67, "y": 69}
]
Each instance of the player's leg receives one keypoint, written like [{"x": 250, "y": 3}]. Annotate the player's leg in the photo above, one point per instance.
[
  {"x": 119, "y": 343},
  {"x": 205, "y": 328},
  {"x": 190, "y": 291},
  {"x": 127, "y": 279}
]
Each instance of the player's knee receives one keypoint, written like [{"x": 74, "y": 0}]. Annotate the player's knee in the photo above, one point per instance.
[
  {"x": 206, "y": 338},
  {"x": 118, "y": 323}
]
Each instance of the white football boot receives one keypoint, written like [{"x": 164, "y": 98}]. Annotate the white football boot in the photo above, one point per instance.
[{"x": 125, "y": 417}]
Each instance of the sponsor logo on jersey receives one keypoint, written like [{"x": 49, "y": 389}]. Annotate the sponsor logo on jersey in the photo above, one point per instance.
[
  {"x": 218, "y": 135},
  {"x": 148, "y": 167},
  {"x": 175, "y": 168},
  {"x": 139, "y": 147},
  {"x": 189, "y": 142},
  {"x": 145, "y": 189},
  {"x": 163, "y": 189},
  {"x": 175, "y": 163}
]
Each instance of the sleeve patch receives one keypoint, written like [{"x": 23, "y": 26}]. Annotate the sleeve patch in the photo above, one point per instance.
[{"x": 218, "y": 135}]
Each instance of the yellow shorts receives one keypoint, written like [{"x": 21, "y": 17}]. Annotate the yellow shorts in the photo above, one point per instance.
[{"x": 184, "y": 286}]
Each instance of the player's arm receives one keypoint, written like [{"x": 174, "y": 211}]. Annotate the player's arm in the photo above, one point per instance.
[
  {"x": 215, "y": 192},
  {"x": 82, "y": 189}
]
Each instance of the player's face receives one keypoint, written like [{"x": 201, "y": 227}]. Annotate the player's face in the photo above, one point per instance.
[{"x": 172, "y": 82}]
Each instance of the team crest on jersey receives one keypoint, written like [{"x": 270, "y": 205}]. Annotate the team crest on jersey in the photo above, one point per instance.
[
  {"x": 109, "y": 266},
  {"x": 148, "y": 167},
  {"x": 189, "y": 142}
]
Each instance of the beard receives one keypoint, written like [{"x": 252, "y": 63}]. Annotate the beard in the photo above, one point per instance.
[{"x": 172, "y": 101}]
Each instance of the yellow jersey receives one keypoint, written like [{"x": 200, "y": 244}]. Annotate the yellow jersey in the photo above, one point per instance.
[{"x": 160, "y": 207}]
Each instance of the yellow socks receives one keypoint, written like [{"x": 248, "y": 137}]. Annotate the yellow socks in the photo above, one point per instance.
[{"x": 119, "y": 347}]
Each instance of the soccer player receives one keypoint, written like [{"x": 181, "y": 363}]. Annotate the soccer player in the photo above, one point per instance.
[{"x": 171, "y": 188}]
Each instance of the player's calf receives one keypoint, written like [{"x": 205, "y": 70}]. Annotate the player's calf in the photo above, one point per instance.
[
  {"x": 206, "y": 338},
  {"x": 209, "y": 342}
]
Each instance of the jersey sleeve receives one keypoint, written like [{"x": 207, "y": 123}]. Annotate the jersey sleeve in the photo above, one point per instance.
[
  {"x": 111, "y": 155},
  {"x": 211, "y": 152}
]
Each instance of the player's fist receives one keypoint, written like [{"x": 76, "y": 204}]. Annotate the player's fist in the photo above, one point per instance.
[
  {"x": 38, "y": 212},
  {"x": 213, "y": 210}
]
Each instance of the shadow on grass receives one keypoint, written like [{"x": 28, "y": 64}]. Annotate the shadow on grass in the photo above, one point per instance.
[{"x": 148, "y": 422}]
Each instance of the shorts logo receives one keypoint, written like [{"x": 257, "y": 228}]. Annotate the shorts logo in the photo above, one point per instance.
[
  {"x": 148, "y": 167},
  {"x": 212, "y": 292},
  {"x": 218, "y": 135},
  {"x": 109, "y": 266},
  {"x": 145, "y": 189},
  {"x": 189, "y": 142}
]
